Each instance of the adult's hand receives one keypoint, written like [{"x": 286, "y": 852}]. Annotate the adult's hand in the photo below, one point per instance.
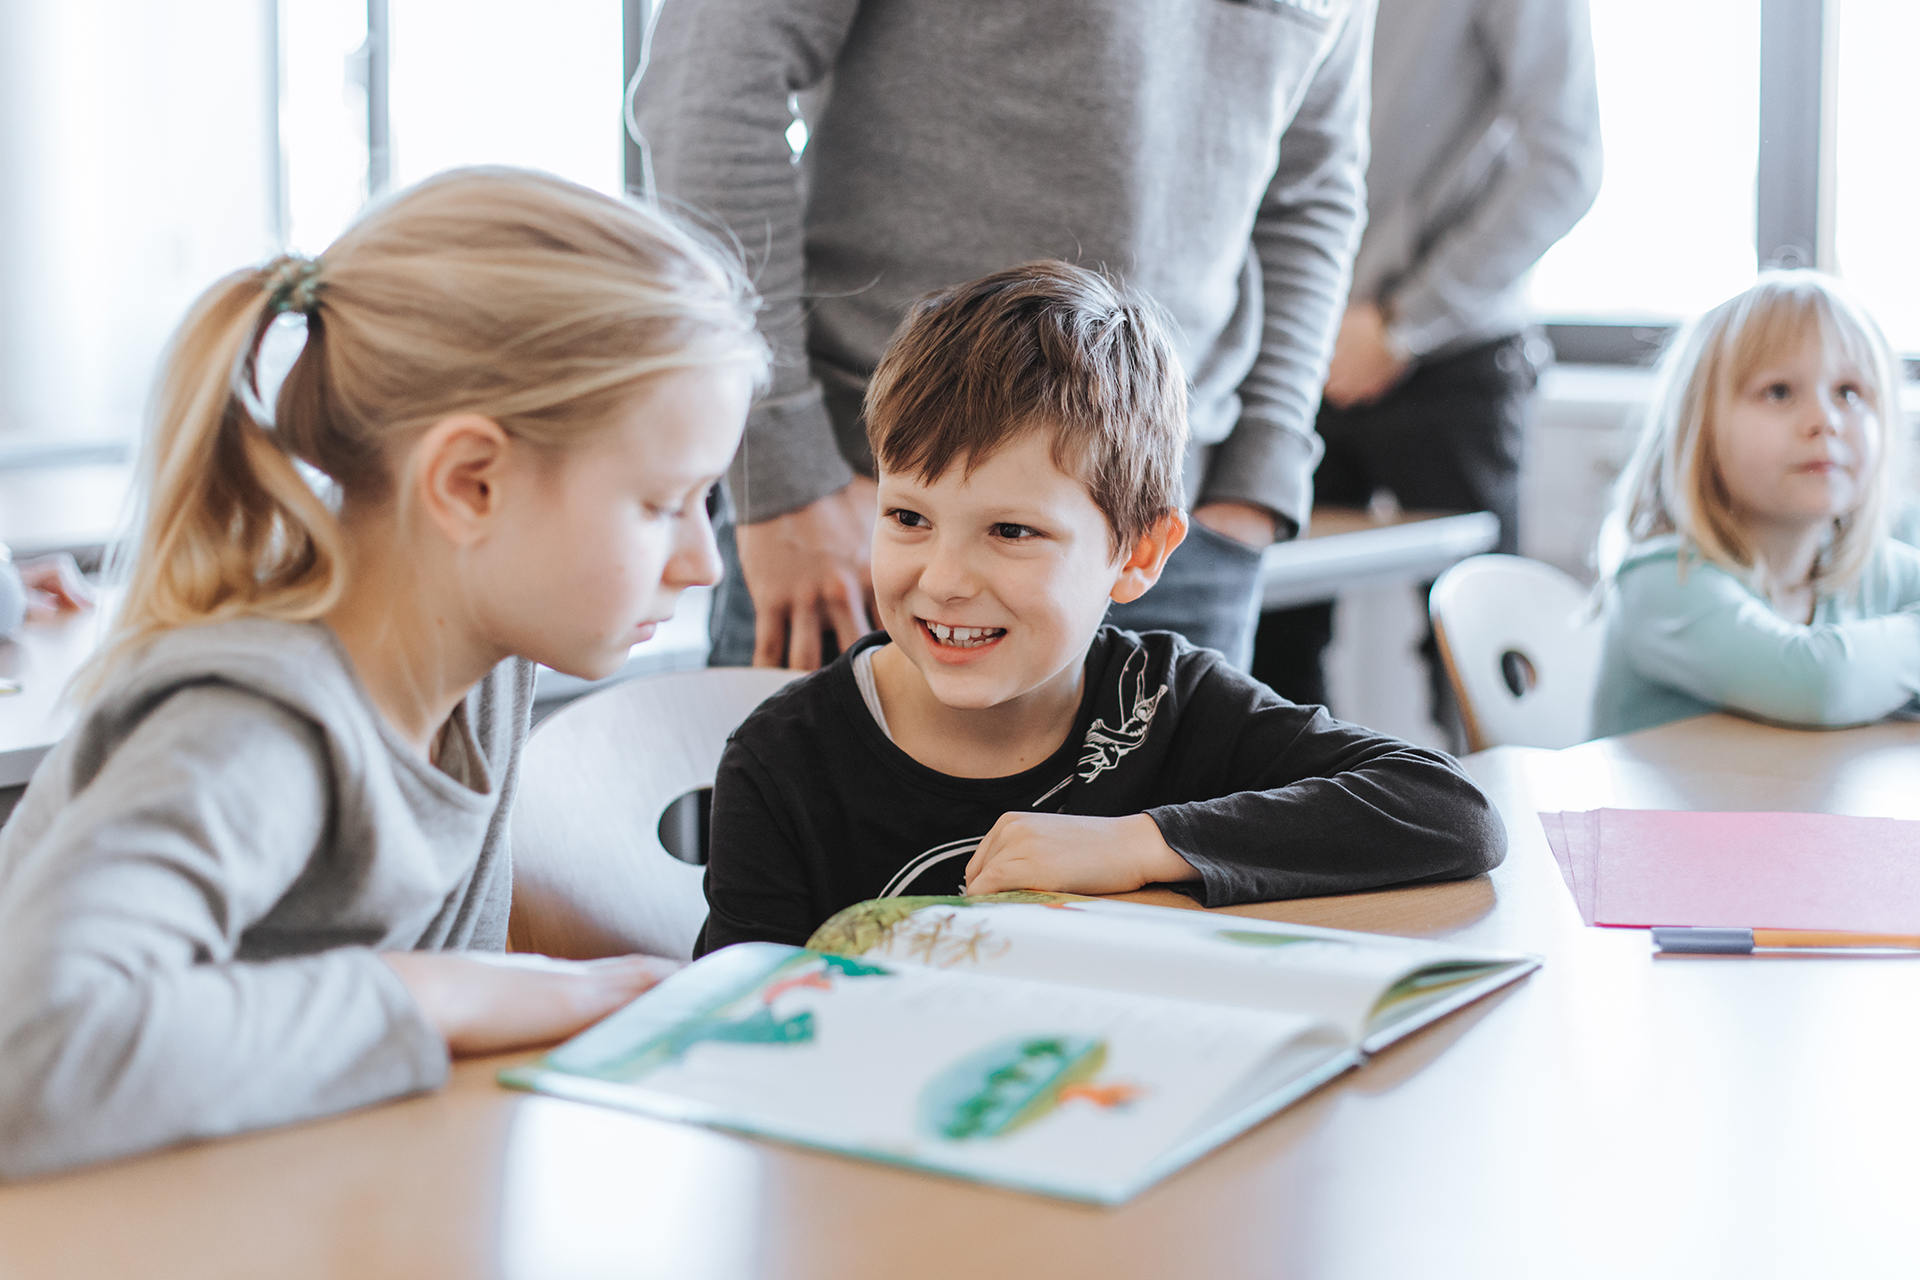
[
  {"x": 1365, "y": 365},
  {"x": 1255, "y": 526},
  {"x": 807, "y": 571}
]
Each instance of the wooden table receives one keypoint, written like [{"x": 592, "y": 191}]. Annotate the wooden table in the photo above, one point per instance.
[{"x": 1613, "y": 1115}]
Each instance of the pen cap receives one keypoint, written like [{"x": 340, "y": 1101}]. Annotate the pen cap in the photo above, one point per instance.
[{"x": 1705, "y": 941}]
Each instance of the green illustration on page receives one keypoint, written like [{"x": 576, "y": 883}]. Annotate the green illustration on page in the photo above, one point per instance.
[
  {"x": 1009, "y": 1085},
  {"x": 902, "y": 926},
  {"x": 746, "y": 1018}
]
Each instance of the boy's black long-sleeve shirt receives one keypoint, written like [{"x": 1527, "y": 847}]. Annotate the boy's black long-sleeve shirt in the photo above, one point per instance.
[{"x": 815, "y": 808}]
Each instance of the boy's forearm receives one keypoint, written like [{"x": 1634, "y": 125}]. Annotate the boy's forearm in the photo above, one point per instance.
[{"x": 1403, "y": 817}]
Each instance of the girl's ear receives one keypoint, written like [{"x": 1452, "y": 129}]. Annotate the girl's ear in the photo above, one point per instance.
[
  {"x": 1148, "y": 557},
  {"x": 457, "y": 468}
]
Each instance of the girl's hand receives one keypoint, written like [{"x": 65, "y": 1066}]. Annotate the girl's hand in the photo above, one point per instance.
[
  {"x": 1067, "y": 854},
  {"x": 490, "y": 1004}
]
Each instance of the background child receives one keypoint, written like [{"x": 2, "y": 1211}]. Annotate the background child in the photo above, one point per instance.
[
  {"x": 224, "y": 895},
  {"x": 1029, "y": 429},
  {"x": 1750, "y": 568}
]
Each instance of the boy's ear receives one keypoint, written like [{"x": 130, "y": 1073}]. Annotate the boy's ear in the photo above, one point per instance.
[
  {"x": 457, "y": 468},
  {"x": 1148, "y": 557}
]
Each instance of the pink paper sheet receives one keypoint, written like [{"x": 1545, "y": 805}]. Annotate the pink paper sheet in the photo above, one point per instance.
[
  {"x": 1571, "y": 837},
  {"x": 1640, "y": 867}
]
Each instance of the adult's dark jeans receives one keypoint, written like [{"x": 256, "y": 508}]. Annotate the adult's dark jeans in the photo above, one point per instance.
[
  {"x": 1447, "y": 438},
  {"x": 1209, "y": 593}
]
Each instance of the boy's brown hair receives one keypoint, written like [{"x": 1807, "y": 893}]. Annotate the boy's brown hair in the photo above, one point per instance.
[{"x": 1045, "y": 346}]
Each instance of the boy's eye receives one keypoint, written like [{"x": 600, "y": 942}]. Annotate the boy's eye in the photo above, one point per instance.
[
  {"x": 1850, "y": 394},
  {"x": 1014, "y": 532},
  {"x": 908, "y": 519},
  {"x": 1777, "y": 391}
]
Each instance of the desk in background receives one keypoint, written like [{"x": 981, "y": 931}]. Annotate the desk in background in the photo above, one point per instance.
[{"x": 1614, "y": 1115}]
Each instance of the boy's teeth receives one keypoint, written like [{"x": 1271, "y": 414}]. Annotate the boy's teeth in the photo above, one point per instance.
[{"x": 963, "y": 636}]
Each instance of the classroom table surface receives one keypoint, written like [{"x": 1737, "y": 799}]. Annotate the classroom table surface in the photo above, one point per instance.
[{"x": 1614, "y": 1114}]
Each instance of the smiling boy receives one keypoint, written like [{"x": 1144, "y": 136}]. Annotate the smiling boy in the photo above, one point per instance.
[{"x": 1028, "y": 429}]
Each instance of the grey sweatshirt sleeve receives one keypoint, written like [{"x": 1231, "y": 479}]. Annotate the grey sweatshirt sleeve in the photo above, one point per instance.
[
  {"x": 713, "y": 109},
  {"x": 126, "y": 1021},
  {"x": 1544, "y": 52},
  {"x": 1303, "y": 237}
]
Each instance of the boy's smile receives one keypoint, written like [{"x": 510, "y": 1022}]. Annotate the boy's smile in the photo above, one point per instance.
[
  {"x": 964, "y": 642},
  {"x": 991, "y": 586}
]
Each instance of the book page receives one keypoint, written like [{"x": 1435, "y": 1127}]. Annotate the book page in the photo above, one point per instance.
[
  {"x": 1042, "y": 1086},
  {"x": 1357, "y": 981}
]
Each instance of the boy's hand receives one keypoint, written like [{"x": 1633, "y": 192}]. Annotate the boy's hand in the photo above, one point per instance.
[
  {"x": 1067, "y": 854},
  {"x": 490, "y": 1004}
]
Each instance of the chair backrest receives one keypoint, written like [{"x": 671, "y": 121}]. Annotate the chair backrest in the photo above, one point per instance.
[
  {"x": 590, "y": 876},
  {"x": 1522, "y": 646}
]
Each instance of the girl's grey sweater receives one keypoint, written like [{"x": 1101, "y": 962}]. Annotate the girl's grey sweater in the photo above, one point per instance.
[{"x": 194, "y": 890}]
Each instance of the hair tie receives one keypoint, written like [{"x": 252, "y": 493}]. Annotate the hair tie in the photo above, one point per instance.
[
  {"x": 263, "y": 362},
  {"x": 293, "y": 284}
]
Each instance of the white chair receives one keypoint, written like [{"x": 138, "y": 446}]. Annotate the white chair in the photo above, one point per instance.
[
  {"x": 1522, "y": 646},
  {"x": 590, "y": 876}
]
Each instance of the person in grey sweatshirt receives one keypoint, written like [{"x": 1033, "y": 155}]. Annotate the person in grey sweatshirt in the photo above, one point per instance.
[
  {"x": 1207, "y": 153},
  {"x": 231, "y": 896},
  {"x": 1486, "y": 151}
]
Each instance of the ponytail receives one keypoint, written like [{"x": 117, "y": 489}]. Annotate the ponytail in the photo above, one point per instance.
[
  {"x": 228, "y": 527},
  {"x": 509, "y": 294}
]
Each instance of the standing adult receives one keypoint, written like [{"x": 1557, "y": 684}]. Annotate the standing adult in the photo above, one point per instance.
[
  {"x": 1208, "y": 152},
  {"x": 1486, "y": 151}
]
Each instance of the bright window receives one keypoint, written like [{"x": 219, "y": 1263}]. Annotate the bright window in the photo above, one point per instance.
[
  {"x": 1672, "y": 232},
  {"x": 1876, "y": 201},
  {"x": 507, "y": 82}
]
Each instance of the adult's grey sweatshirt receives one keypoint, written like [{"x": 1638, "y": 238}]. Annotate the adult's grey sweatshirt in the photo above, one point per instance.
[
  {"x": 1208, "y": 152},
  {"x": 1486, "y": 150},
  {"x": 195, "y": 887}
]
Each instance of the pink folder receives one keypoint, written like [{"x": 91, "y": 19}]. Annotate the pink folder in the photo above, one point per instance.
[{"x": 1641, "y": 867}]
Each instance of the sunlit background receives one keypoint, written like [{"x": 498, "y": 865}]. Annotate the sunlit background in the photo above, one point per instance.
[{"x": 148, "y": 148}]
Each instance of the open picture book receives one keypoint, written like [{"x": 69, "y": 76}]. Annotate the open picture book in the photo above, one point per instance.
[{"x": 1076, "y": 1047}]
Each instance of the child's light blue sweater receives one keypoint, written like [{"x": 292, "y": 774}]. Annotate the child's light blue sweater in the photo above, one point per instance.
[{"x": 1686, "y": 640}]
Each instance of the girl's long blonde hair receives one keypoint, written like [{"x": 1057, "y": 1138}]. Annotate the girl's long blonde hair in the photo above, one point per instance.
[
  {"x": 507, "y": 293},
  {"x": 1673, "y": 483}
]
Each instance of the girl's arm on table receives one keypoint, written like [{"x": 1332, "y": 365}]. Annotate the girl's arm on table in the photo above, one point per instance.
[
  {"x": 127, "y": 1023},
  {"x": 1712, "y": 638}
]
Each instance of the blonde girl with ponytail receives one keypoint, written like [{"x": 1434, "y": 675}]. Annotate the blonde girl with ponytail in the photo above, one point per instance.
[{"x": 238, "y": 893}]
